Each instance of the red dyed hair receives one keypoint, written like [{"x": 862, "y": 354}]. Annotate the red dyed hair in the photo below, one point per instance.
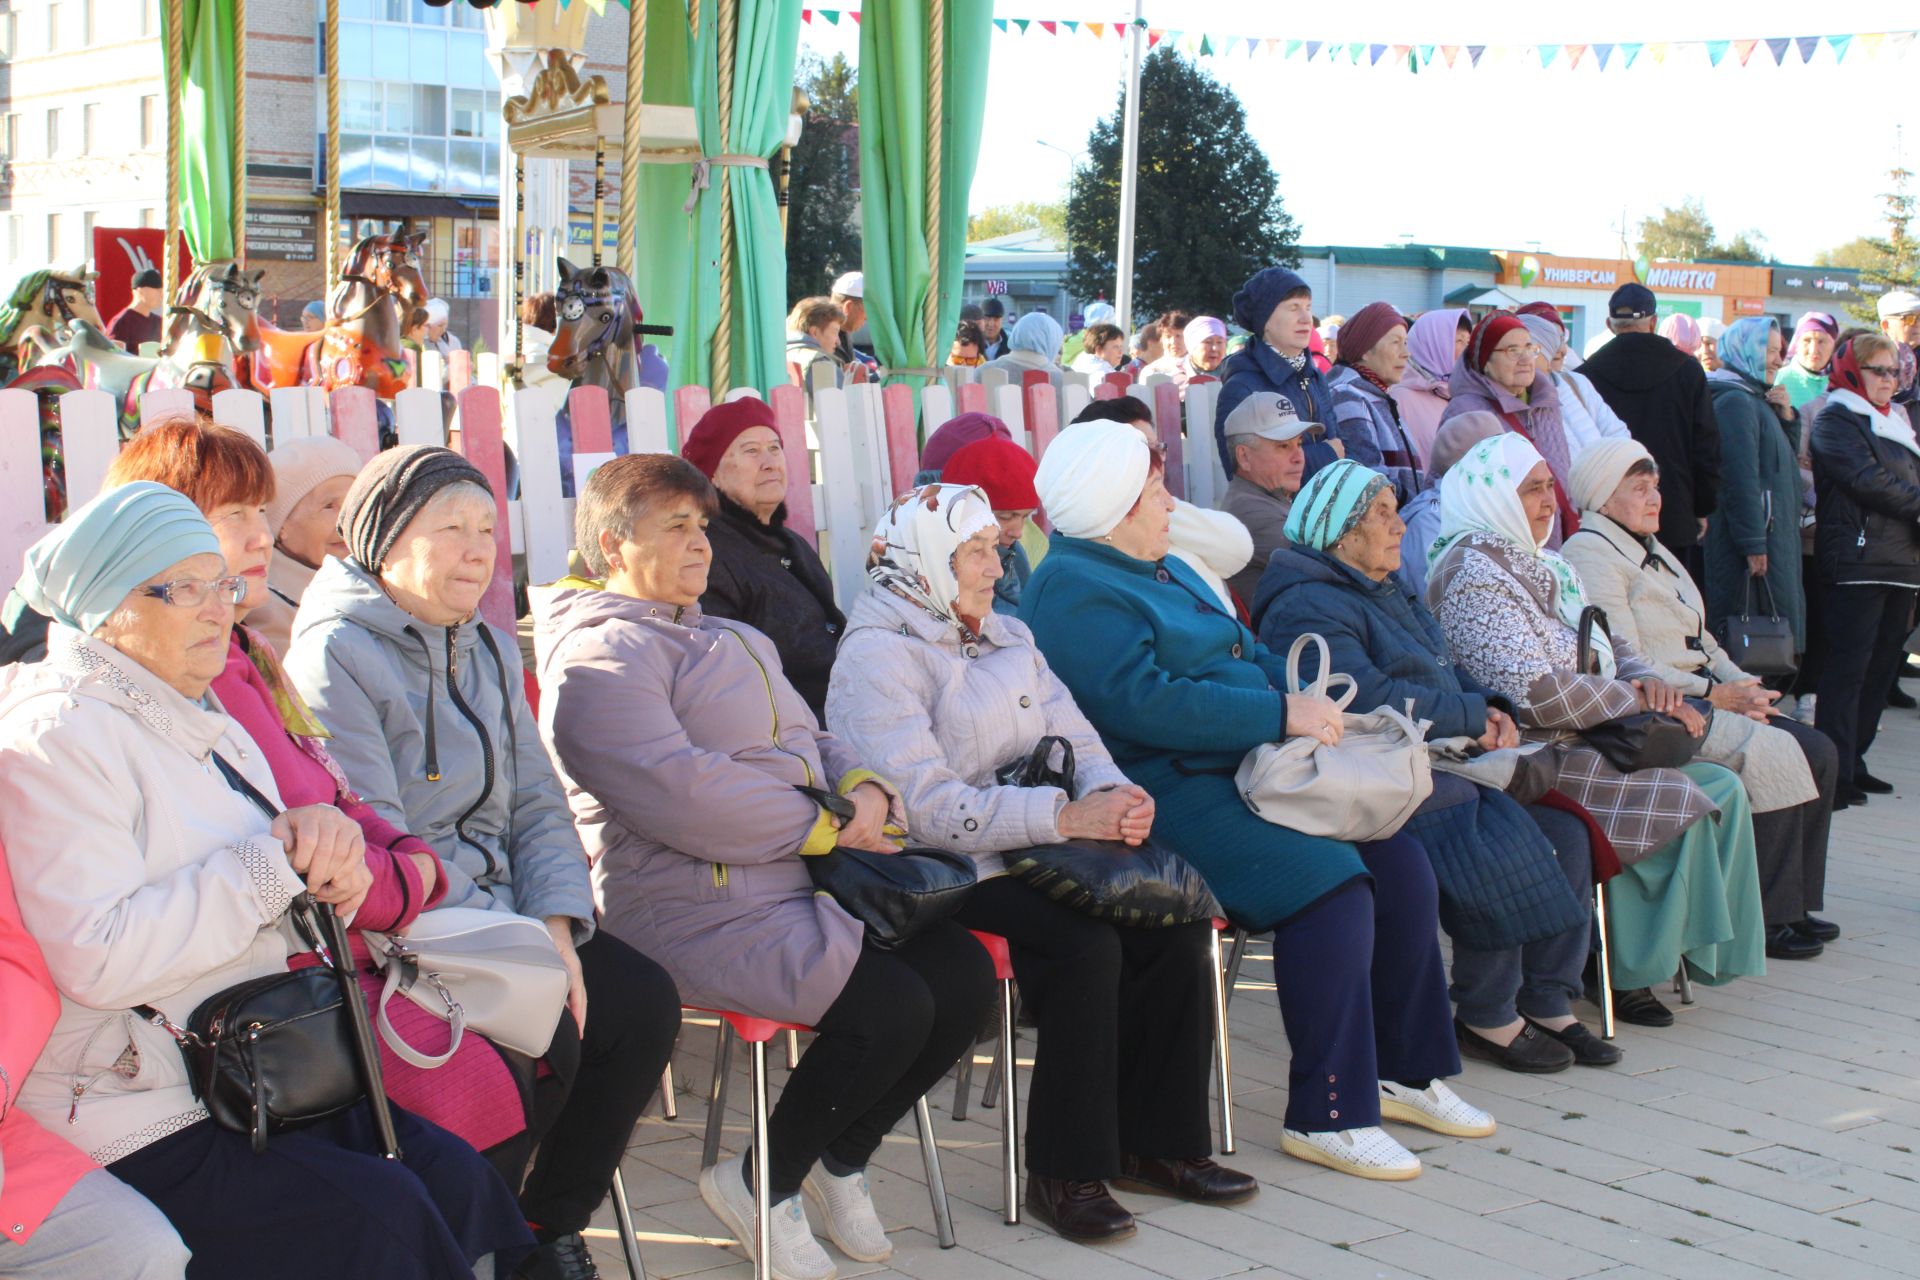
[{"x": 212, "y": 465}]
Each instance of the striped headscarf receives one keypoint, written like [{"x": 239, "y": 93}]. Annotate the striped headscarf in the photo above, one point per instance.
[{"x": 1332, "y": 503}]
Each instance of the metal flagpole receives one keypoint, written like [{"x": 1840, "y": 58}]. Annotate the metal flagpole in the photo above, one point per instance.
[
  {"x": 176, "y": 77},
  {"x": 1129, "y": 171}
]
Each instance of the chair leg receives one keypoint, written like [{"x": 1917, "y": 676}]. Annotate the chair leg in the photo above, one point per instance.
[
  {"x": 793, "y": 1049},
  {"x": 717, "y": 1095},
  {"x": 1010, "y": 1114},
  {"x": 669, "y": 1105},
  {"x": 1606, "y": 968},
  {"x": 762, "y": 1169},
  {"x": 990, "y": 1095},
  {"x": 1222, "y": 1051},
  {"x": 1234, "y": 957},
  {"x": 1683, "y": 983},
  {"x": 936, "y": 1181},
  {"x": 963, "y": 1084},
  {"x": 623, "y": 1218}
]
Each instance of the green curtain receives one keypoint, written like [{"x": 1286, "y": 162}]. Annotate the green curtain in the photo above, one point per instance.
[
  {"x": 208, "y": 173},
  {"x": 768, "y": 42},
  {"x": 894, "y": 45}
]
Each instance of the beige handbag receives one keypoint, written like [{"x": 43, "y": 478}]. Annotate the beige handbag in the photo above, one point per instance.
[
  {"x": 1363, "y": 789},
  {"x": 497, "y": 974}
]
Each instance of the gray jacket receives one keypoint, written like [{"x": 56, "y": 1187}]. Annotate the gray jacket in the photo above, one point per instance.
[
  {"x": 453, "y": 755},
  {"x": 1265, "y": 515}
]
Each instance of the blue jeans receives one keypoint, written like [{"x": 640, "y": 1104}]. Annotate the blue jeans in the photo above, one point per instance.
[
  {"x": 101, "y": 1227},
  {"x": 1540, "y": 979}
]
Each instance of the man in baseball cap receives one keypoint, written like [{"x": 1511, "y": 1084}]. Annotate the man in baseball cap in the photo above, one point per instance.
[
  {"x": 1900, "y": 320},
  {"x": 850, "y": 291},
  {"x": 140, "y": 322},
  {"x": 1267, "y": 439},
  {"x": 1630, "y": 304},
  {"x": 993, "y": 325}
]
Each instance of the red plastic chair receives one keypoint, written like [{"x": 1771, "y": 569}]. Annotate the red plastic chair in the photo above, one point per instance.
[{"x": 757, "y": 1032}]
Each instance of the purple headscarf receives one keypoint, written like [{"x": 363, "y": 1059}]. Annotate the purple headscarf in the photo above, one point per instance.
[{"x": 1430, "y": 342}]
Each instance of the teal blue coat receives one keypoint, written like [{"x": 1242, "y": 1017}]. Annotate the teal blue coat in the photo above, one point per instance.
[{"x": 1180, "y": 691}]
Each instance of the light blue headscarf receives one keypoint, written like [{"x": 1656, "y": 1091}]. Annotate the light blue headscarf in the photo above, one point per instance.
[
  {"x": 82, "y": 571},
  {"x": 1037, "y": 332},
  {"x": 1743, "y": 347},
  {"x": 1332, "y": 503}
]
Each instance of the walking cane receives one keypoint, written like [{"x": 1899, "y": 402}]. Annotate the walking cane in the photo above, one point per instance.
[{"x": 365, "y": 1051}]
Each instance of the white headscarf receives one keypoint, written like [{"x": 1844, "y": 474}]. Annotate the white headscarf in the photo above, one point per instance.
[
  {"x": 1481, "y": 494},
  {"x": 1091, "y": 476},
  {"x": 915, "y": 542},
  {"x": 1037, "y": 332}
]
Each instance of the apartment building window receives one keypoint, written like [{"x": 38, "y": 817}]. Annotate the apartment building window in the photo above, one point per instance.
[
  {"x": 149, "y": 217},
  {"x": 150, "y": 121},
  {"x": 89, "y": 128},
  {"x": 53, "y": 27},
  {"x": 9, "y": 32},
  {"x": 53, "y": 132},
  {"x": 88, "y": 33},
  {"x": 55, "y": 225},
  {"x": 86, "y": 232},
  {"x": 13, "y": 237},
  {"x": 10, "y": 136}
]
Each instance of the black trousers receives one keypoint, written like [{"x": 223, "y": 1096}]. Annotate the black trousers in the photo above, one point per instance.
[
  {"x": 896, "y": 1027},
  {"x": 1807, "y": 679},
  {"x": 583, "y": 1111},
  {"x": 1126, "y": 1032},
  {"x": 1791, "y": 844},
  {"x": 1865, "y": 642}
]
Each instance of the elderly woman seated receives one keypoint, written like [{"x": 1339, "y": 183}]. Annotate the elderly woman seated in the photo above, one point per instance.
[
  {"x": 940, "y": 691},
  {"x": 1511, "y": 613},
  {"x": 1180, "y": 691},
  {"x": 763, "y": 573},
  {"x": 311, "y": 477},
  {"x": 685, "y": 754},
  {"x": 429, "y": 719},
  {"x": 1789, "y": 769},
  {"x": 1519, "y": 920},
  {"x": 149, "y": 875}
]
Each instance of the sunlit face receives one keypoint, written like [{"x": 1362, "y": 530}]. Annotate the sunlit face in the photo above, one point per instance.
[
  {"x": 312, "y": 532},
  {"x": 1153, "y": 347},
  {"x": 185, "y": 647},
  {"x": 246, "y": 541},
  {"x": 1635, "y": 504},
  {"x": 827, "y": 335},
  {"x": 1177, "y": 343},
  {"x": 1709, "y": 353},
  {"x": 1388, "y": 357},
  {"x": 1012, "y": 525},
  {"x": 1213, "y": 349},
  {"x": 1904, "y": 330},
  {"x": 1290, "y": 327},
  {"x": 1372, "y": 546},
  {"x": 1114, "y": 351},
  {"x": 665, "y": 556},
  {"x": 1460, "y": 337},
  {"x": 1274, "y": 465},
  {"x": 1776, "y": 353},
  {"x": 1814, "y": 350},
  {"x": 976, "y": 567},
  {"x": 753, "y": 471},
  {"x": 442, "y": 562},
  {"x": 1514, "y": 362},
  {"x": 1536, "y": 499},
  {"x": 964, "y": 350}
]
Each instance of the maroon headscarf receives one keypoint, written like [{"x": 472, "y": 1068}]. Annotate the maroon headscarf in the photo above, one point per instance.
[{"x": 957, "y": 434}]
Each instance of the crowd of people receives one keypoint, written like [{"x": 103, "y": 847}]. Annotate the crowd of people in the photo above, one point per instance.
[{"x": 239, "y": 680}]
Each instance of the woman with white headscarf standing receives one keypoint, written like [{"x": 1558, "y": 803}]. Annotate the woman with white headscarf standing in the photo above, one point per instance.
[
  {"x": 1180, "y": 691},
  {"x": 1032, "y": 344},
  {"x": 1688, "y": 888},
  {"x": 939, "y": 692}
]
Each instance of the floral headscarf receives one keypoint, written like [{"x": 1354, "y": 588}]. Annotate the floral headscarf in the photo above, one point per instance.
[
  {"x": 915, "y": 542},
  {"x": 1334, "y": 501},
  {"x": 1481, "y": 494},
  {"x": 1743, "y": 347}
]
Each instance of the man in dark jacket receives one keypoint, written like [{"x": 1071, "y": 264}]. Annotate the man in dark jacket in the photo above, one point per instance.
[
  {"x": 993, "y": 321},
  {"x": 1660, "y": 392}
]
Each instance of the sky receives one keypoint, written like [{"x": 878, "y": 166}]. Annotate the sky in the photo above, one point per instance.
[{"x": 1502, "y": 156}]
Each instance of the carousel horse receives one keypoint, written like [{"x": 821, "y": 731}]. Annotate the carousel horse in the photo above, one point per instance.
[
  {"x": 228, "y": 295},
  {"x": 360, "y": 347},
  {"x": 596, "y": 314},
  {"x": 104, "y": 364},
  {"x": 49, "y": 300},
  {"x": 393, "y": 263},
  {"x": 200, "y": 358}
]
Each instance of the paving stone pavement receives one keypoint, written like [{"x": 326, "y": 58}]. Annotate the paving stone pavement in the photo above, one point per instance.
[{"x": 1772, "y": 1131}]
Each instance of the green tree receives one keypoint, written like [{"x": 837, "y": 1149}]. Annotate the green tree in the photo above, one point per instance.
[
  {"x": 823, "y": 218},
  {"x": 1049, "y": 216},
  {"x": 1898, "y": 266},
  {"x": 1684, "y": 234},
  {"x": 1746, "y": 246},
  {"x": 1857, "y": 254},
  {"x": 1208, "y": 212}
]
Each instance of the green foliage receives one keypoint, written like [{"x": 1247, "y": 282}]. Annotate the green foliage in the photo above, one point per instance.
[
  {"x": 1049, "y": 216},
  {"x": 1857, "y": 254},
  {"x": 1898, "y": 264},
  {"x": 1685, "y": 234},
  {"x": 823, "y": 217},
  {"x": 1208, "y": 212},
  {"x": 1746, "y": 246}
]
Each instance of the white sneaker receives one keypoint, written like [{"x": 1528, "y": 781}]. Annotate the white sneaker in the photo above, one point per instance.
[
  {"x": 1435, "y": 1107},
  {"x": 852, "y": 1222},
  {"x": 1803, "y": 710},
  {"x": 1364, "y": 1153},
  {"x": 794, "y": 1253}
]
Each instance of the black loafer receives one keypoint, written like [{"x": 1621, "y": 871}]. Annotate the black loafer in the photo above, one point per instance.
[
  {"x": 1530, "y": 1052},
  {"x": 1589, "y": 1050},
  {"x": 1641, "y": 1007},
  {"x": 1081, "y": 1211},
  {"x": 1850, "y": 797},
  {"x": 1900, "y": 700},
  {"x": 1815, "y": 927},
  {"x": 1787, "y": 943},
  {"x": 1871, "y": 785}
]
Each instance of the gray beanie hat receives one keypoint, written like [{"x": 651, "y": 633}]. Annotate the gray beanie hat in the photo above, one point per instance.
[{"x": 391, "y": 490}]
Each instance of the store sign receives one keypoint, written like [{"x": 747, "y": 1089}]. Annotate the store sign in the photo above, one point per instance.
[
  {"x": 283, "y": 234},
  {"x": 997, "y": 288},
  {"x": 1531, "y": 271},
  {"x": 1836, "y": 286}
]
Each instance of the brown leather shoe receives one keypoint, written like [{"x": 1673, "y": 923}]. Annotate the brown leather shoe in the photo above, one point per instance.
[
  {"x": 1201, "y": 1180},
  {"x": 1080, "y": 1211}
]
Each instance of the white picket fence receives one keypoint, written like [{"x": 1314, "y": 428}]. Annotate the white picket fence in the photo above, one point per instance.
[{"x": 861, "y": 445}]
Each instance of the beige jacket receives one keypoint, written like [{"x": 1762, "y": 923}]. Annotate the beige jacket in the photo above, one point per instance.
[
  {"x": 144, "y": 877},
  {"x": 287, "y": 581}
]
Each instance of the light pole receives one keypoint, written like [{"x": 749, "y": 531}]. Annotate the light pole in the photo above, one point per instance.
[{"x": 1073, "y": 168}]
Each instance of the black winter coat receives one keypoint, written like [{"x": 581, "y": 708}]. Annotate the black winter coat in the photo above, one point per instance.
[
  {"x": 766, "y": 576},
  {"x": 1660, "y": 392},
  {"x": 1867, "y": 492}
]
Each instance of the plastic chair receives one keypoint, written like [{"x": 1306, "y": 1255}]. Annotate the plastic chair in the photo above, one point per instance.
[
  {"x": 1606, "y": 968},
  {"x": 757, "y": 1032}
]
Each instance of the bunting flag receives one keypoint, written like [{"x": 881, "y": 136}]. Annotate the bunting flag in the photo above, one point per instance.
[{"x": 1879, "y": 45}]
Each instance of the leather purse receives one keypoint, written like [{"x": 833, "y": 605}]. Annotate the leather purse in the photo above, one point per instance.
[
  {"x": 490, "y": 972},
  {"x": 1645, "y": 739},
  {"x": 895, "y": 896},
  {"x": 1363, "y": 788},
  {"x": 1760, "y": 644}
]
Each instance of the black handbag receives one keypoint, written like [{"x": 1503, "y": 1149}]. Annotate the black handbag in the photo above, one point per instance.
[
  {"x": 1646, "y": 739},
  {"x": 895, "y": 896},
  {"x": 1142, "y": 886},
  {"x": 1760, "y": 644},
  {"x": 286, "y": 1050}
]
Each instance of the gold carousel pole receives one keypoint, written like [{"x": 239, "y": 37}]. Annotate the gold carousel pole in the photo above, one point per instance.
[
  {"x": 333, "y": 144},
  {"x": 176, "y": 56},
  {"x": 519, "y": 255},
  {"x": 723, "y": 335},
  {"x": 936, "y": 97},
  {"x": 240, "y": 131},
  {"x": 627, "y": 251},
  {"x": 599, "y": 193}
]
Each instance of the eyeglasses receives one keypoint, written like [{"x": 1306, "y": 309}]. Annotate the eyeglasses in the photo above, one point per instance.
[
  {"x": 1528, "y": 352},
  {"x": 1881, "y": 370},
  {"x": 191, "y": 593}
]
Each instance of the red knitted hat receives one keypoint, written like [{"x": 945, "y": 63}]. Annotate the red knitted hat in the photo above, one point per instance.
[
  {"x": 1365, "y": 327},
  {"x": 1487, "y": 335},
  {"x": 1000, "y": 467},
  {"x": 710, "y": 438}
]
